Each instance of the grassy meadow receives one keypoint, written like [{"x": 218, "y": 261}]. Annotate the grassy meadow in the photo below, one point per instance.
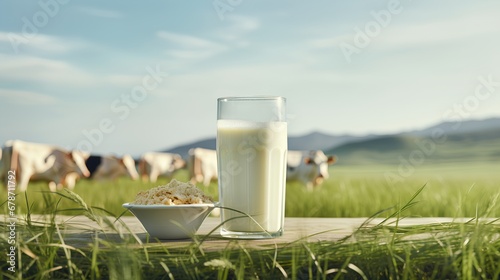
[
  {"x": 440, "y": 251},
  {"x": 463, "y": 190}
]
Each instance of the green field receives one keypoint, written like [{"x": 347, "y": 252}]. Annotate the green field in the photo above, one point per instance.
[
  {"x": 464, "y": 190},
  {"x": 440, "y": 251},
  {"x": 359, "y": 191}
]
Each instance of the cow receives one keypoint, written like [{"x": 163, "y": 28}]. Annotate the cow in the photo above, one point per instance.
[
  {"x": 106, "y": 167},
  {"x": 111, "y": 167},
  {"x": 36, "y": 161},
  {"x": 202, "y": 165},
  {"x": 152, "y": 165},
  {"x": 308, "y": 167}
]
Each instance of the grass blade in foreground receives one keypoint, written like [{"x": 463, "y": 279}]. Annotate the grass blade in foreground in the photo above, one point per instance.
[{"x": 469, "y": 250}]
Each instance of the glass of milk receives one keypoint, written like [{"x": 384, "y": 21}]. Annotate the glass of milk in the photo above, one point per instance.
[{"x": 251, "y": 161}]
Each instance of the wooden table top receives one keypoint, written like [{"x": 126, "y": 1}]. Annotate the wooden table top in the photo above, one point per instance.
[{"x": 81, "y": 231}]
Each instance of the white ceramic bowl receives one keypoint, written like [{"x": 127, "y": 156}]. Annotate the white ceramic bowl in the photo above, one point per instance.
[{"x": 171, "y": 221}]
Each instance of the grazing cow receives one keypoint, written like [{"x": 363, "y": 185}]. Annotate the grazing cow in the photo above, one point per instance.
[
  {"x": 152, "y": 165},
  {"x": 107, "y": 167},
  {"x": 309, "y": 167},
  {"x": 34, "y": 161},
  {"x": 202, "y": 165},
  {"x": 111, "y": 167}
]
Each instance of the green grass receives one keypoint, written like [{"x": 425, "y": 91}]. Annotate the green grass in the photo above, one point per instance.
[
  {"x": 468, "y": 250},
  {"x": 358, "y": 191},
  {"x": 351, "y": 191}
]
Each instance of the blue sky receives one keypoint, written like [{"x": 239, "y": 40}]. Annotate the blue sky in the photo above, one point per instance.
[{"x": 130, "y": 77}]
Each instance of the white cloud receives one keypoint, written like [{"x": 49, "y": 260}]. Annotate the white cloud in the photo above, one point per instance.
[
  {"x": 186, "y": 41},
  {"x": 328, "y": 42},
  {"x": 24, "y": 97},
  {"x": 190, "y": 47},
  {"x": 100, "y": 12},
  {"x": 191, "y": 54},
  {"x": 31, "y": 69},
  {"x": 39, "y": 43},
  {"x": 238, "y": 26},
  {"x": 427, "y": 33},
  {"x": 63, "y": 77},
  {"x": 448, "y": 31},
  {"x": 243, "y": 23}
]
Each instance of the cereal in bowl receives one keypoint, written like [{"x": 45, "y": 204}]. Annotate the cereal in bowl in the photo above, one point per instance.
[{"x": 173, "y": 193}]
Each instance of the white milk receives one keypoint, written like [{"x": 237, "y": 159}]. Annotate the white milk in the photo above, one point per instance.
[{"x": 252, "y": 173}]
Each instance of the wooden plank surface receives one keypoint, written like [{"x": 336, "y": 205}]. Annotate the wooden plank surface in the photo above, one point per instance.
[{"x": 81, "y": 231}]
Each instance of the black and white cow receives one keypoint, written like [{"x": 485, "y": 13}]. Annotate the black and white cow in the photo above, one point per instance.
[
  {"x": 106, "y": 167},
  {"x": 308, "y": 167}
]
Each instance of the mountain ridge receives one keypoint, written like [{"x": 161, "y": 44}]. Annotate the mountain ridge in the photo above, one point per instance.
[
  {"x": 346, "y": 144},
  {"x": 438, "y": 146}
]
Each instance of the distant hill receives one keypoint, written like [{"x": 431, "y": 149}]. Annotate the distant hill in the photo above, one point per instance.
[
  {"x": 184, "y": 149},
  {"x": 468, "y": 139},
  {"x": 321, "y": 141},
  {"x": 455, "y": 146},
  {"x": 459, "y": 127},
  {"x": 310, "y": 141}
]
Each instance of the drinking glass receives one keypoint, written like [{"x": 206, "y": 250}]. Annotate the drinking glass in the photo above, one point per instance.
[{"x": 251, "y": 161}]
